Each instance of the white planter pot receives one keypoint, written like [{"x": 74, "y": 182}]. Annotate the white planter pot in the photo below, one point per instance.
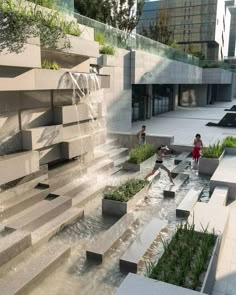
[{"x": 208, "y": 165}]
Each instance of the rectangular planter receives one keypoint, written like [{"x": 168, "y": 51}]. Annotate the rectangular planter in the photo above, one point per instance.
[
  {"x": 208, "y": 165},
  {"x": 230, "y": 151},
  {"x": 138, "y": 167},
  {"x": 117, "y": 208}
]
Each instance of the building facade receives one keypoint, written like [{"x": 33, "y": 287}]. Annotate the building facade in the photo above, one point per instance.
[{"x": 203, "y": 25}]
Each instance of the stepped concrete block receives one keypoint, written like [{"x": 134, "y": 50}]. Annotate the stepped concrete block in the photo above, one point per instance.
[
  {"x": 71, "y": 131},
  {"x": 35, "y": 269},
  {"x": 101, "y": 167},
  {"x": 182, "y": 157},
  {"x": 13, "y": 244},
  {"x": 36, "y": 118},
  {"x": 180, "y": 168},
  {"x": 21, "y": 202},
  {"x": 139, "y": 285},
  {"x": 40, "y": 214},
  {"x": 225, "y": 176},
  {"x": 99, "y": 137},
  {"x": 117, "y": 208},
  {"x": 118, "y": 153},
  {"x": 102, "y": 111},
  {"x": 219, "y": 196},
  {"x": 48, "y": 230},
  {"x": 18, "y": 165},
  {"x": 86, "y": 195},
  {"x": 171, "y": 190},
  {"x": 210, "y": 217},
  {"x": 50, "y": 154},
  {"x": 132, "y": 258},
  {"x": 76, "y": 146},
  {"x": 104, "y": 81},
  {"x": 100, "y": 248},
  {"x": 40, "y": 137},
  {"x": 188, "y": 202}
]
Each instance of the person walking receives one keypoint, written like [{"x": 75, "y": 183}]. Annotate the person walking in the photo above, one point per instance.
[
  {"x": 161, "y": 154},
  {"x": 141, "y": 135},
  {"x": 198, "y": 145}
]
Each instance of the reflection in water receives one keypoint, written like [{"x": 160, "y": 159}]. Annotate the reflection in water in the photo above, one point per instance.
[{"x": 77, "y": 276}]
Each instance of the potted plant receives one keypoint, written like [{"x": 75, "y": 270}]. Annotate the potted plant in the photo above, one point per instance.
[
  {"x": 189, "y": 260},
  {"x": 211, "y": 157},
  {"x": 119, "y": 200},
  {"x": 229, "y": 144},
  {"x": 138, "y": 157}
]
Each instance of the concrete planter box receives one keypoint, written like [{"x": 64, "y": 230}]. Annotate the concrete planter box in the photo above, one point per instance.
[
  {"x": 138, "y": 167},
  {"x": 117, "y": 208},
  {"x": 106, "y": 60},
  {"x": 230, "y": 151},
  {"x": 208, "y": 165}
]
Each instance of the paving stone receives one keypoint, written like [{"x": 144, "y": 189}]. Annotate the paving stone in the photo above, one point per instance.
[
  {"x": 171, "y": 190},
  {"x": 35, "y": 269},
  {"x": 40, "y": 214},
  {"x": 99, "y": 248},
  {"x": 188, "y": 202},
  {"x": 131, "y": 260},
  {"x": 219, "y": 196},
  {"x": 13, "y": 244},
  {"x": 180, "y": 168},
  {"x": 182, "y": 157}
]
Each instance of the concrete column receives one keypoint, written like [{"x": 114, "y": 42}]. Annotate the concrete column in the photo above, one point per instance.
[
  {"x": 150, "y": 102},
  {"x": 175, "y": 96}
]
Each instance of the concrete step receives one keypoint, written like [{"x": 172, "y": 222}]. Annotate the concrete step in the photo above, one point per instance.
[
  {"x": 99, "y": 248},
  {"x": 188, "y": 202},
  {"x": 109, "y": 145},
  {"x": 39, "y": 214},
  {"x": 45, "y": 232},
  {"x": 72, "y": 188},
  {"x": 63, "y": 167},
  {"x": 21, "y": 202},
  {"x": 182, "y": 157},
  {"x": 219, "y": 196},
  {"x": 88, "y": 194},
  {"x": 12, "y": 245},
  {"x": 171, "y": 189},
  {"x": 118, "y": 153},
  {"x": 121, "y": 161},
  {"x": 101, "y": 166},
  {"x": 132, "y": 258},
  {"x": 34, "y": 270},
  {"x": 180, "y": 168}
]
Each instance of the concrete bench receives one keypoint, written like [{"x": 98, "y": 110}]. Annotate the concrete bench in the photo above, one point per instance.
[
  {"x": 99, "y": 248},
  {"x": 180, "y": 168},
  {"x": 171, "y": 190},
  {"x": 34, "y": 269},
  {"x": 219, "y": 196},
  {"x": 12, "y": 245},
  {"x": 188, "y": 202},
  {"x": 39, "y": 214},
  {"x": 132, "y": 258},
  {"x": 183, "y": 156}
]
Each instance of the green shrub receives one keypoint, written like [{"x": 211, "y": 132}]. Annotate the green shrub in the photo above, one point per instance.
[
  {"x": 52, "y": 4},
  {"x": 213, "y": 151},
  {"x": 126, "y": 191},
  {"x": 100, "y": 38},
  {"x": 106, "y": 49},
  {"x": 185, "y": 258},
  {"x": 140, "y": 153},
  {"x": 230, "y": 141},
  {"x": 50, "y": 65}
]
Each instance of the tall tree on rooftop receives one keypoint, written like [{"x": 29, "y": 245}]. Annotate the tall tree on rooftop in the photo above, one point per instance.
[{"x": 121, "y": 14}]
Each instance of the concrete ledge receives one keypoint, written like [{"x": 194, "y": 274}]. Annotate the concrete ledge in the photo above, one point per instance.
[
  {"x": 180, "y": 168},
  {"x": 50, "y": 154},
  {"x": 74, "y": 147},
  {"x": 208, "y": 166},
  {"x": 99, "y": 248},
  {"x": 20, "y": 280},
  {"x": 188, "y": 202},
  {"x": 106, "y": 60},
  {"x": 13, "y": 244},
  {"x": 171, "y": 190},
  {"x": 117, "y": 208},
  {"x": 219, "y": 196},
  {"x": 139, "y": 285},
  {"x": 139, "y": 167},
  {"x": 132, "y": 258},
  {"x": 183, "y": 156},
  {"x": 18, "y": 165},
  {"x": 71, "y": 113},
  {"x": 128, "y": 140}
]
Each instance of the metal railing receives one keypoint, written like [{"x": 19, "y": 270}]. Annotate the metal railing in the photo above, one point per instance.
[{"x": 133, "y": 41}]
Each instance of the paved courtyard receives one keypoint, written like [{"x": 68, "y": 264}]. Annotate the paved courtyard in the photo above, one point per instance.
[{"x": 184, "y": 123}]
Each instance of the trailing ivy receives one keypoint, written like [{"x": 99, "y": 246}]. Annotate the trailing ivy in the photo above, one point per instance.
[{"x": 19, "y": 22}]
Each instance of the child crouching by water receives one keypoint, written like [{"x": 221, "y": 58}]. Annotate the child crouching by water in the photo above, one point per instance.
[{"x": 161, "y": 150}]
